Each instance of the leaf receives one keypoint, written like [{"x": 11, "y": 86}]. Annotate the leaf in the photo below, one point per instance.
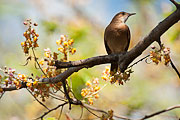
[{"x": 78, "y": 83}]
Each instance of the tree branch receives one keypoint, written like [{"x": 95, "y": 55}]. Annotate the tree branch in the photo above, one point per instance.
[
  {"x": 14, "y": 87},
  {"x": 175, "y": 3},
  {"x": 89, "y": 62},
  {"x": 104, "y": 112},
  {"x": 61, "y": 105},
  {"x": 63, "y": 76},
  {"x": 126, "y": 58},
  {"x": 159, "y": 112}
]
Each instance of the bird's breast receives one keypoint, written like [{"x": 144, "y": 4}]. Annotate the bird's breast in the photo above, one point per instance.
[{"x": 117, "y": 37}]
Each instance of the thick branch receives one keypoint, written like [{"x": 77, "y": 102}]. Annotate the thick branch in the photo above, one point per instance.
[
  {"x": 89, "y": 62},
  {"x": 59, "y": 78},
  {"x": 15, "y": 88},
  {"x": 175, "y": 3},
  {"x": 63, "y": 76}
]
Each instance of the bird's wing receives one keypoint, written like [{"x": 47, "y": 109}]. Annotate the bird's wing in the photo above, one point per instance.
[
  {"x": 108, "y": 50},
  {"x": 129, "y": 37}
]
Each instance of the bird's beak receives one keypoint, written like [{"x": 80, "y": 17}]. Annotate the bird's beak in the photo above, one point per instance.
[{"x": 131, "y": 14}]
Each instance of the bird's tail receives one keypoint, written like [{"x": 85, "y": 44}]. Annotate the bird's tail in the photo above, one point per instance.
[{"x": 114, "y": 68}]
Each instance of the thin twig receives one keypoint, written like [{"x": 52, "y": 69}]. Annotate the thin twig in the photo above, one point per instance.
[
  {"x": 91, "y": 112},
  {"x": 2, "y": 95},
  {"x": 81, "y": 113},
  {"x": 171, "y": 62},
  {"x": 57, "y": 98},
  {"x": 104, "y": 112},
  {"x": 41, "y": 117},
  {"x": 60, "y": 112},
  {"x": 37, "y": 100},
  {"x": 35, "y": 58},
  {"x": 58, "y": 88},
  {"x": 159, "y": 112},
  {"x": 67, "y": 94},
  {"x": 174, "y": 67},
  {"x": 139, "y": 61}
]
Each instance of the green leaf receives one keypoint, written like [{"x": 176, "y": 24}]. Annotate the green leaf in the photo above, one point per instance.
[{"x": 78, "y": 83}]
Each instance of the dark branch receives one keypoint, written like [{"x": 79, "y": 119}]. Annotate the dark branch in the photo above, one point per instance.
[
  {"x": 61, "y": 105},
  {"x": 174, "y": 67},
  {"x": 89, "y": 62},
  {"x": 67, "y": 94},
  {"x": 15, "y": 88},
  {"x": 175, "y": 3},
  {"x": 63, "y": 76},
  {"x": 2, "y": 95},
  {"x": 125, "y": 118},
  {"x": 60, "y": 112},
  {"x": 104, "y": 112},
  {"x": 92, "y": 112},
  {"x": 139, "y": 61},
  {"x": 59, "y": 78},
  {"x": 159, "y": 112}
]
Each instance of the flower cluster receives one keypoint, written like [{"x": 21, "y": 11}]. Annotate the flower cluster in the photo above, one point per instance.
[
  {"x": 91, "y": 91},
  {"x": 65, "y": 46},
  {"x": 41, "y": 90},
  {"x": 47, "y": 64},
  {"x": 31, "y": 37},
  {"x": 118, "y": 77},
  {"x": 160, "y": 55},
  {"x": 11, "y": 78}
]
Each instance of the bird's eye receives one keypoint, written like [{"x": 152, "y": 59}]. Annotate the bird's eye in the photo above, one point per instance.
[{"x": 123, "y": 13}]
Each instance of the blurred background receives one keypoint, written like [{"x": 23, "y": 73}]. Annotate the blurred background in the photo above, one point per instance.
[{"x": 151, "y": 87}]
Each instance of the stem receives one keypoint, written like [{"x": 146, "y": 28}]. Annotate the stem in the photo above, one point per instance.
[{"x": 35, "y": 58}]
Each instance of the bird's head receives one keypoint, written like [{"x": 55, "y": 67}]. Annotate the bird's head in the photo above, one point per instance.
[{"x": 123, "y": 16}]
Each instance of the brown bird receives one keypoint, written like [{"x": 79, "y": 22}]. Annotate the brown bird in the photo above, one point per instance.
[{"x": 117, "y": 36}]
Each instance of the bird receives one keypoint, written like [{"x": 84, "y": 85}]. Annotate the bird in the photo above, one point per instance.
[{"x": 117, "y": 37}]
